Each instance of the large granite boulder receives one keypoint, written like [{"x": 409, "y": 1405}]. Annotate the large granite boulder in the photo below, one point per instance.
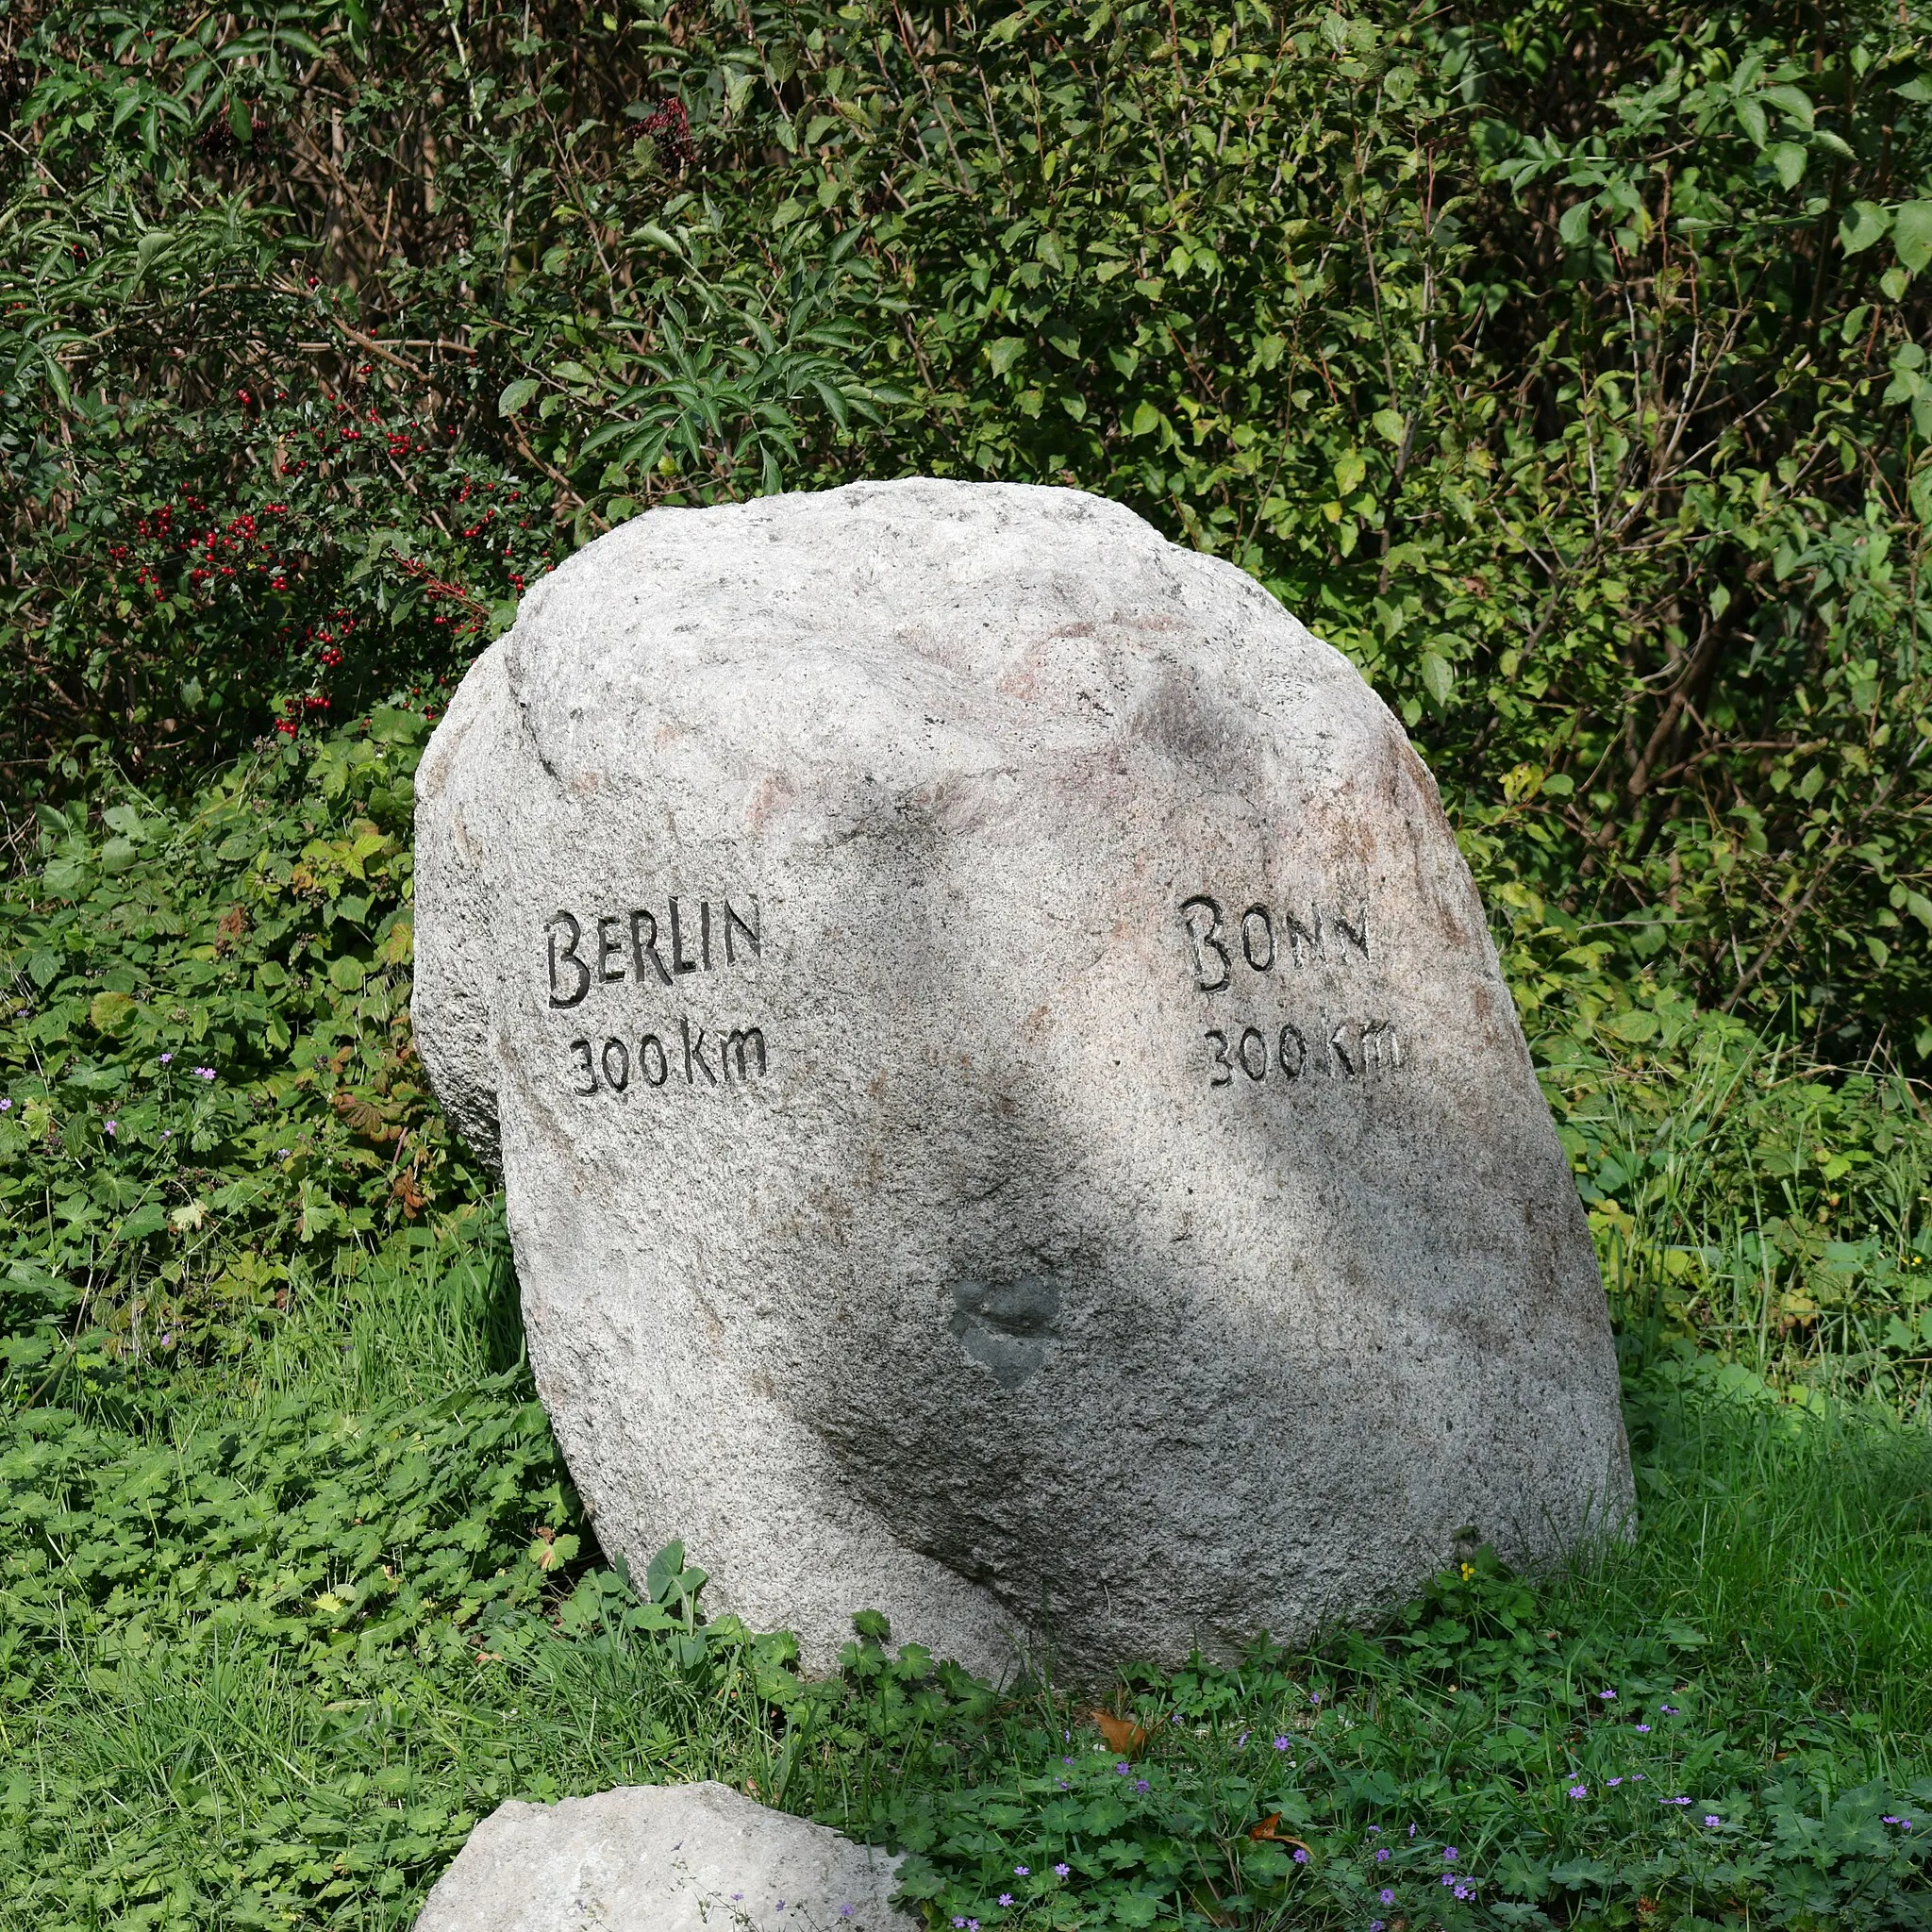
[
  {"x": 1009, "y": 1111},
  {"x": 662, "y": 1858}
]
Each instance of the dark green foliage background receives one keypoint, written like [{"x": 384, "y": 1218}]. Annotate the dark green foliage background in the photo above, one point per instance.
[{"x": 1564, "y": 366}]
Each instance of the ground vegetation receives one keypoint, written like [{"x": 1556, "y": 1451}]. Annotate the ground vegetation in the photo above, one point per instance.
[{"x": 1565, "y": 367}]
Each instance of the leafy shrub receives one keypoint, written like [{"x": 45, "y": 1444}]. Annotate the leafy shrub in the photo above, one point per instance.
[
  {"x": 1563, "y": 366},
  {"x": 270, "y": 1659},
  {"x": 206, "y": 1049}
]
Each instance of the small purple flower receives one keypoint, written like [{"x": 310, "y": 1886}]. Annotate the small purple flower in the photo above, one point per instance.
[
  {"x": 1375, "y": 1925},
  {"x": 1006, "y": 1898},
  {"x": 1315, "y": 1697},
  {"x": 960, "y": 1925},
  {"x": 1062, "y": 1871},
  {"x": 1382, "y": 1857},
  {"x": 1464, "y": 1892},
  {"x": 112, "y": 1128},
  {"x": 1673, "y": 1801},
  {"x": 1639, "y": 1727},
  {"x": 166, "y": 1058},
  {"x": 1021, "y": 1871},
  {"x": 1608, "y": 1696},
  {"x": 1579, "y": 1790},
  {"x": 971, "y": 1925},
  {"x": 1240, "y": 1744},
  {"x": 1711, "y": 1817},
  {"x": 1450, "y": 1854},
  {"x": 1448, "y": 1878},
  {"x": 780, "y": 1907},
  {"x": 5, "y": 1106},
  {"x": 1411, "y": 1831},
  {"x": 1611, "y": 1783},
  {"x": 1281, "y": 1743},
  {"x": 1375, "y": 1831},
  {"x": 1386, "y": 1894},
  {"x": 1124, "y": 1769},
  {"x": 205, "y": 1072},
  {"x": 845, "y": 1911},
  {"x": 1066, "y": 1760},
  {"x": 1300, "y": 1856},
  {"x": 167, "y": 1133},
  {"x": 1141, "y": 1784},
  {"x": 1670, "y": 1709},
  {"x": 1888, "y": 1819},
  {"x": 1063, "y": 1784}
]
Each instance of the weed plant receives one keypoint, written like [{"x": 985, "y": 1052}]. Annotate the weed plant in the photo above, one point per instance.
[
  {"x": 208, "y": 1093},
  {"x": 277, "y": 1631},
  {"x": 1562, "y": 364},
  {"x": 294, "y": 1586}
]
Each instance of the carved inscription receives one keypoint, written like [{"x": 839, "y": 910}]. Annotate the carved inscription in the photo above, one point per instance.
[
  {"x": 1349, "y": 1050},
  {"x": 1267, "y": 939},
  {"x": 734, "y": 1059},
  {"x": 1263, "y": 943},
  {"x": 639, "y": 947}
]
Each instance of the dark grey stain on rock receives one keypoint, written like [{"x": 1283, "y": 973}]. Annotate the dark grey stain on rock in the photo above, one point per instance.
[{"x": 1006, "y": 1325}]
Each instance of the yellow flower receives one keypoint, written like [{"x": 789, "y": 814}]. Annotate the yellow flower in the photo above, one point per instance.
[{"x": 1468, "y": 1572}]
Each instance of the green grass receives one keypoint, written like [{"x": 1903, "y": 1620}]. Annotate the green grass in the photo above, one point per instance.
[{"x": 204, "y": 1723}]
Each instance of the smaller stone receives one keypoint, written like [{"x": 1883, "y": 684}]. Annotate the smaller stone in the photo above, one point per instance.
[{"x": 662, "y": 1858}]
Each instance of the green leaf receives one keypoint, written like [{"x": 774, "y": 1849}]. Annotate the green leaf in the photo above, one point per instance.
[
  {"x": 1911, "y": 234},
  {"x": 663, "y": 1571},
  {"x": 1795, "y": 102},
  {"x": 1575, "y": 1874},
  {"x": 1920, "y": 907},
  {"x": 1752, "y": 118},
  {"x": 1389, "y": 424},
  {"x": 1004, "y": 353},
  {"x": 1635, "y": 1026},
  {"x": 112, "y": 1013},
  {"x": 1574, "y": 229},
  {"x": 1146, "y": 420},
  {"x": 516, "y": 394},
  {"x": 346, "y": 972},
  {"x": 1789, "y": 158},
  {"x": 149, "y": 1218},
  {"x": 1862, "y": 224},
  {"x": 1438, "y": 678}
]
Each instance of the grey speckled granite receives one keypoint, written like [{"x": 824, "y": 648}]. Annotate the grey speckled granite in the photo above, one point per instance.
[
  {"x": 1008, "y": 1109},
  {"x": 662, "y": 1858}
]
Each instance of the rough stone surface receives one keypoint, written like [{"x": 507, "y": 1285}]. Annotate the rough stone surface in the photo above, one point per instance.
[
  {"x": 1134, "y": 1219},
  {"x": 662, "y": 1858}
]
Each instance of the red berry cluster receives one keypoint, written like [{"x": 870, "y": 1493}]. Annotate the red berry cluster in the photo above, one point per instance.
[{"x": 269, "y": 588}]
